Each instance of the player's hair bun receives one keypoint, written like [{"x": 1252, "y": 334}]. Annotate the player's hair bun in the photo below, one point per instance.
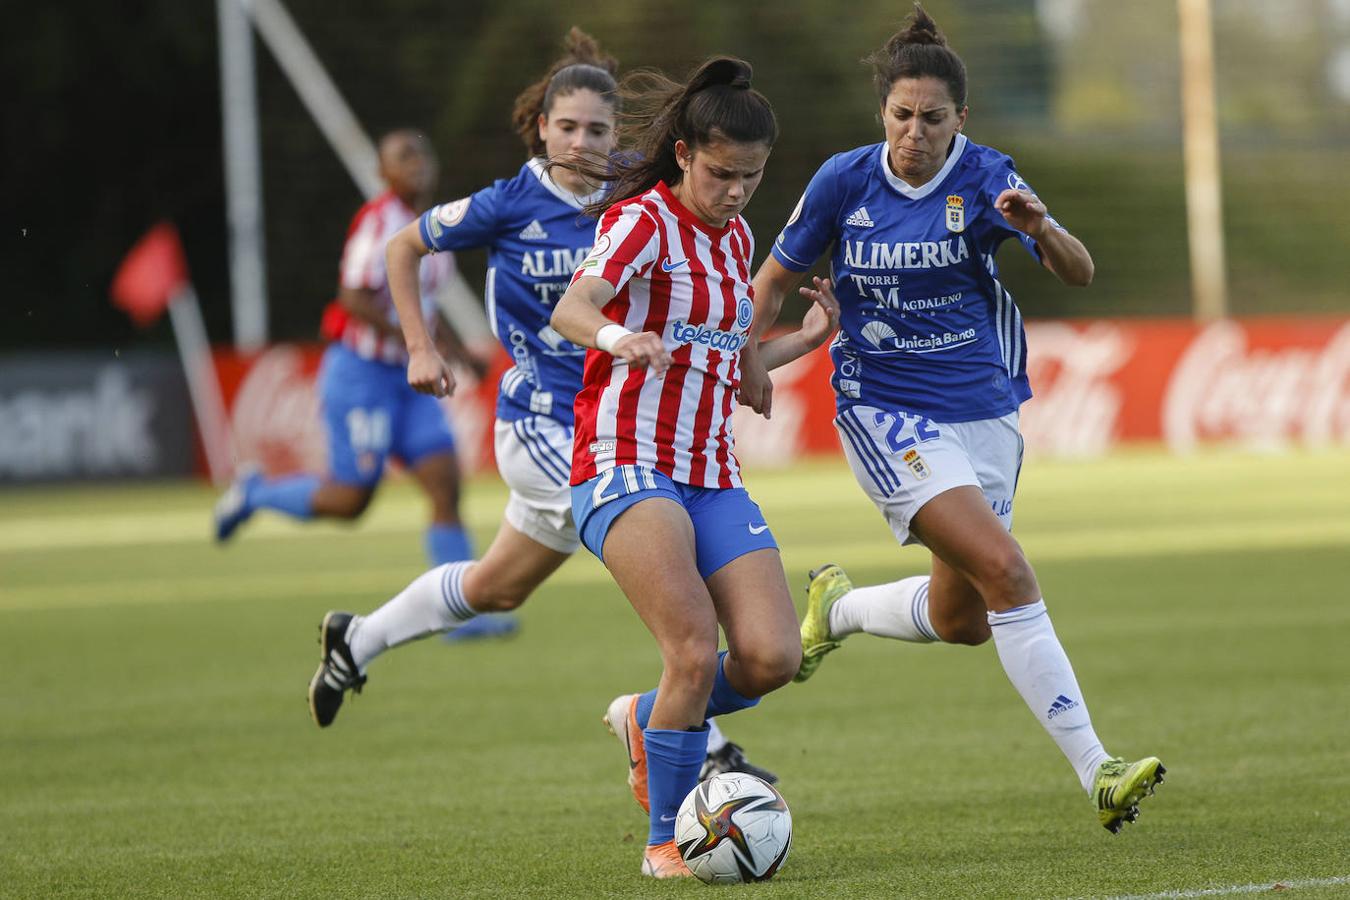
[
  {"x": 921, "y": 29},
  {"x": 722, "y": 70},
  {"x": 918, "y": 50}
]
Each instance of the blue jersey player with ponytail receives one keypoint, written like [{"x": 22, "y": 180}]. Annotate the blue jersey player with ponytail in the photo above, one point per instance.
[{"x": 929, "y": 372}]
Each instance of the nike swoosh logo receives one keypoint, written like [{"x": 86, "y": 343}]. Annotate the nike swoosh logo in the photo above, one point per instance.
[
  {"x": 667, "y": 818},
  {"x": 758, "y": 529},
  {"x": 670, "y": 266}
]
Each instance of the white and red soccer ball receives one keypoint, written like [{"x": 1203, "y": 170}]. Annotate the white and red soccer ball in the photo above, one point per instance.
[{"x": 733, "y": 828}]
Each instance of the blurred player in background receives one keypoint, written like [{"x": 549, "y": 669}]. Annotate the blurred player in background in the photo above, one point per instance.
[
  {"x": 664, "y": 300},
  {"x": 929, "y": 372},
  {"x": 368, "y": 408},
  {"x": 536, "y": 232}
]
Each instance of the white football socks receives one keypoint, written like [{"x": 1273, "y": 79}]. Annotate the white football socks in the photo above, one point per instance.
[
  {"x": 433, "y": 603},
  {"x": 1038, "y": 667},
  {"x": 898, "y": 610},
  {"x": 716, "y": 739}
]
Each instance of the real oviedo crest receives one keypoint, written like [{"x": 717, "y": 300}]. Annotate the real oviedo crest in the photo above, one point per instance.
[{"x": 956, "y": 213}]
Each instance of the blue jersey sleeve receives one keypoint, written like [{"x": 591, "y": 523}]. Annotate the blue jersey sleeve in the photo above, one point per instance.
[
  {"x": 1003, "y": 177},
  {"x": 814, "y": 224},
  {"x": 462, "y": 224}
]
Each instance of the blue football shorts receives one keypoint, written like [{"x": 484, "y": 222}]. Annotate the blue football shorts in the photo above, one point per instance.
[
  {"x": 371, "y": 414},
  {"x": 727, "y": 523}
]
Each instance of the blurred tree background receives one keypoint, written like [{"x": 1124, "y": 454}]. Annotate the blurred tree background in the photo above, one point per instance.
[{"x": 113, "y": 122}]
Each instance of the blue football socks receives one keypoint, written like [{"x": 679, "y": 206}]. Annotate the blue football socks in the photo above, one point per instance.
[
  {"x": 293, "y": 495},
  {"x": 674, "y": 759},
  {"x": 724, "y": 699},
  {"x": 447, "y": 544}
]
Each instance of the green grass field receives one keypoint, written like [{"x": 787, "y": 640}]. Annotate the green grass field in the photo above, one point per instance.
[{"x": 154, "y": 737}]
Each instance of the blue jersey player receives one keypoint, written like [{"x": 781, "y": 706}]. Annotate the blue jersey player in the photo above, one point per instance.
[
  {"x": 536, "y": 235},
  {"x": 929, "y": 372}
]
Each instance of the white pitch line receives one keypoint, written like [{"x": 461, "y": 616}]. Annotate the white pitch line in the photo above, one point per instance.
[{"x": 1240, "y": 889}]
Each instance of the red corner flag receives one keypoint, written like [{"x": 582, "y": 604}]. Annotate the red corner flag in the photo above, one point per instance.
[{"x": 152, "y": 274}]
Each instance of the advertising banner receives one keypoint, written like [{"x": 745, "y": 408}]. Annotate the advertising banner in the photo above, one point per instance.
[
  {"x": 1259, "y": 383},
  {"x": 72, "y": 416}
]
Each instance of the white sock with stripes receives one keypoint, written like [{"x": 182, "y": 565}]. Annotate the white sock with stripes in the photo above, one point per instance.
[
  {"x": 898, "y": 610},
  {"x": 1038, "y": 667},
  {"x": 433, "y": 603}
]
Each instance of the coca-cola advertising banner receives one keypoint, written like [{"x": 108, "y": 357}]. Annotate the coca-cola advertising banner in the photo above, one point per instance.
[{"x": 1261, "y": 383}]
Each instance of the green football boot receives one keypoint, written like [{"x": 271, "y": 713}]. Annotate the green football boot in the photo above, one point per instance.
[
  {"x": 1120, "y": 786},
  {"x": 827, "y": 585}
]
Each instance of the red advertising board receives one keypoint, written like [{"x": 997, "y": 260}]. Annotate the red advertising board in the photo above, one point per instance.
[{"x": 1262, "y": 383}]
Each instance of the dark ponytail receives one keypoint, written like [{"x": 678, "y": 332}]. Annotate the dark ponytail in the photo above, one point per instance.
[
  {"x": 717, "y": 103},
  {"x": 583, "y": 66},
  {"x": 918, "y": 51}
]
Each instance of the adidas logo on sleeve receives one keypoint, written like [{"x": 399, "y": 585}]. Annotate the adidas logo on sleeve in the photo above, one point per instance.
[
  {"x": 534, "y": 232},
  {"x": 860, "y": 218}
]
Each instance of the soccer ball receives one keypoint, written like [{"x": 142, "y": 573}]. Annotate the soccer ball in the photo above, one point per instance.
[{"x": 734, "y": 827}]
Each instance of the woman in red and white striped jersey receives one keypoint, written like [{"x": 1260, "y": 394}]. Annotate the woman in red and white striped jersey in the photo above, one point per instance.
[{"x": 664, "y": 301}]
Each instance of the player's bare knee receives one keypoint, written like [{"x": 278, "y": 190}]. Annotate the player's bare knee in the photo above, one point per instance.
[
  {"x": 1008, "y": 580},
  {"x": 692, "y": 661},
  {"x": 767, "y": 667},
  {"x": 500, "y": 598},
  {"x": 969, "y": 631}
]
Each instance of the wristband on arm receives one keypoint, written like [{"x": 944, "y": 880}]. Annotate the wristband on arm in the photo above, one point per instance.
[{"x": 609, "y": 335}]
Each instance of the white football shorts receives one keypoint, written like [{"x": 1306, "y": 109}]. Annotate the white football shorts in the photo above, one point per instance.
[
  {"x": 534, "y": 457},
  {"x": 902, "y": 460}
]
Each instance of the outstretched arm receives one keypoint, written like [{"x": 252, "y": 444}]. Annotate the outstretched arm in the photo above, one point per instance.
[
  {"x": 818, "y": 324},
  {"x": 1061, "y": 252},
  {"x": 771, "y": 284}
]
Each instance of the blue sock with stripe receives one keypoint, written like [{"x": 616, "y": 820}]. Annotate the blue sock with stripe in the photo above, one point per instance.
[
  {"x": 674, "y": 759},
  {"x": 293, "y": 495},
  {"x": 724, "y": 698},
  {"x": 447, "y": 544}
]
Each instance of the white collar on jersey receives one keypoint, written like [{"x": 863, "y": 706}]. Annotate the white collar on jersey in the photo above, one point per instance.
[
  {"x": 923, "y": 190},
  {"x": 536, "y": 166}
]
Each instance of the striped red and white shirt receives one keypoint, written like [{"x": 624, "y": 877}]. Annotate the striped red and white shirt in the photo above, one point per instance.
[
  {"x": 363, "y": 267},
  {"x": 681, "y": 278}
]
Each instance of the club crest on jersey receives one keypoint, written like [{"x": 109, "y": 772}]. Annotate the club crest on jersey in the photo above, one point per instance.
[
  {"x": 956, "y": 213},
  {"x": 452, "y": 213},
  {"x": 916, "y": 464},
  {"x": 745, "y": 312}
]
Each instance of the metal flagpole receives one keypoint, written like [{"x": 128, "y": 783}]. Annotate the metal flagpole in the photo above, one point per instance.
[
  {"x": 1200, "y": 137},
  {"x": 344, "y": 133},
  {"x": 243, "y": 178}
]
